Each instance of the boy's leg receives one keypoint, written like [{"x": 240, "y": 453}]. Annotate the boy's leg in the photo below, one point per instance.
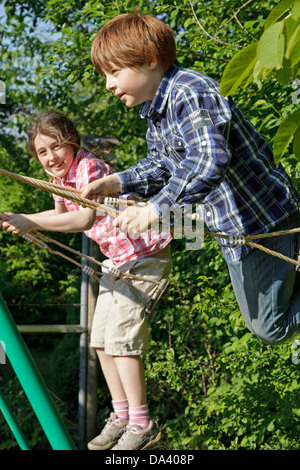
[{"x": 267, "y": 288}]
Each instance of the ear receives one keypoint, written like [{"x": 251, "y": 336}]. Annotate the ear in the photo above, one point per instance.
[{"x": 152, "y": 65}]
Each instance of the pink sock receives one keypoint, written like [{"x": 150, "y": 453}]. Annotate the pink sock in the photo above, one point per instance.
[
  {"x": 121, "y": 409},
  {"x": 139, "y": 415}
]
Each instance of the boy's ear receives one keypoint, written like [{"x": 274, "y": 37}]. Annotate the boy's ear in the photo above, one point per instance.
[{"x": 152, "y": 65}]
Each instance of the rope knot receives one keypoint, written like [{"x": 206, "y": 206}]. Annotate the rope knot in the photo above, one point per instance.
[
  {"x": 111, "y": 270},
  {"x": 88, "y": 270},
  {"x": 237, "y": 240},
  {"x": 111, "y": 201}
]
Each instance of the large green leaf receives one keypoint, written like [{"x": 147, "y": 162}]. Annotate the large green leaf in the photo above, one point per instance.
[
  {"x": 296, "y": 10},
  {"x": 277, "y": 12},
  {"x": 239, "y": 69},
  {"x": 293, "y": 47},
  {"x": 284, "y": 135},
  {"x": 270, "y": 47}
]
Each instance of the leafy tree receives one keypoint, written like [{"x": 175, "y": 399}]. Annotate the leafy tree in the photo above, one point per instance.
[
  {"x": 213, "y": 385},
  {"x": 277, "y": 51}
]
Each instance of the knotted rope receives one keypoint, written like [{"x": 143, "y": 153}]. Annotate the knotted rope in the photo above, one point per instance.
[
  {"x": 108, "y": 208},
  {"x": 42, "y": 241},
  {"x": 68, "y": 193}
]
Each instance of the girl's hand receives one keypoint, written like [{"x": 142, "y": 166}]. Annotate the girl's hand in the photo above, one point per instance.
[
  {"x": 135, "y": 220},
  {"x": 17, "y": 224}
]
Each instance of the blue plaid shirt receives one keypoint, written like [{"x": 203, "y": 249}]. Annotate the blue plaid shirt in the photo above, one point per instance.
[{"x": 203, "y": 150}]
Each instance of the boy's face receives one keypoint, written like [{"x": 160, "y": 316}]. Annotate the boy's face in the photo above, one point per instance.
[
  {"x": 134, "y": 86},
  {"x": 54, "y": 157}
]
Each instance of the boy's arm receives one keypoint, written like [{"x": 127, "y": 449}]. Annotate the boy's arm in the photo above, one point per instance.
[
  {"x": 145, "y": 178},
  {"x": 58, "y": 220}
]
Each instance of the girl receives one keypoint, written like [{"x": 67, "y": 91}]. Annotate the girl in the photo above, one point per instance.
[{"x": 119, "y": 331}]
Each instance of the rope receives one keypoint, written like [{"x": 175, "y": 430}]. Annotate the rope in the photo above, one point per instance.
[
  {"x": 41, "y": 241},
  {"x": 68, "y": 193},
  {"x": 107, "y": 209},
  {"x": 114, "y": 271}
]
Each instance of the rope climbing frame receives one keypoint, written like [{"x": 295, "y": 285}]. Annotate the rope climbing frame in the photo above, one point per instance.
[{"x": 108, "y": 207}]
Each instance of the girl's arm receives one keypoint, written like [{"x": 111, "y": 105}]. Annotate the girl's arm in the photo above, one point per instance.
[{"x": 57, "y": 220}]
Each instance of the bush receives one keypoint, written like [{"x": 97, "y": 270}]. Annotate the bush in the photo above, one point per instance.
[{"x": 212, "y": 384}]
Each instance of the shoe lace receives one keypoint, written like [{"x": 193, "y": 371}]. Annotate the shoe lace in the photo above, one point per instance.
[{"x": 108, "y": 422}]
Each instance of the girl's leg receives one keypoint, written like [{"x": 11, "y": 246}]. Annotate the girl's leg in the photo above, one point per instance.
[
  {"x": 114, "y": 383},
  {"x": 125, "y": 379},
  {"x": 131, "y": 373},
  {"x": 111, "y": 375}
]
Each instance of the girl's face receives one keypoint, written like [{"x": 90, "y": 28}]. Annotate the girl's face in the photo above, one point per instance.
[
  {"x": 54, "y": 157},
  {"x": 134, "y": 86}
]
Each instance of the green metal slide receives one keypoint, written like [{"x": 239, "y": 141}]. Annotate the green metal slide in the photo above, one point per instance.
[{"x": 34, "y": 387}]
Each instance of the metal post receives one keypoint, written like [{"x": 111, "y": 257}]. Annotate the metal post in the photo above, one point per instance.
[
  {"x": 92, "y": 363},
  {"x": 12, "y": 423},
  {"x": 32, "y": 382},
  {"x": 83, "y": 347}
]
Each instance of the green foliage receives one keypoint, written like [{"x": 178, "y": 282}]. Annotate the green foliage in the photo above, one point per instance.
[
  {"x": 213, "y": 385},
  {"x": 25, "y": 417},
  {"x": 277, "y": 51}
]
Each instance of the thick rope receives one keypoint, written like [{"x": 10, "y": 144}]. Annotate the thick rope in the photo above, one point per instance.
[
  {"x": 68, "y": 193},
  {"x": 74, "y": 195}
]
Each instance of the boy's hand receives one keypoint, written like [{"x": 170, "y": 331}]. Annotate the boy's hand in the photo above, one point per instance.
[
  {"x": 135, "y": 220},
  {"x": 17, "y": 224},
  {"x": 104, "y": 186}
]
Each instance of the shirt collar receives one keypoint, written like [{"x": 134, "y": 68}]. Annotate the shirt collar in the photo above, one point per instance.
[{"x": 158, "y": 104}]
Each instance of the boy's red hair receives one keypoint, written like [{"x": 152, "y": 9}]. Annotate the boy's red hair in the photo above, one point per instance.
[{"x": 133, "y": 40}]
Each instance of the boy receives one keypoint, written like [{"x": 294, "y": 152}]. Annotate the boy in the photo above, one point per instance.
[
  {"x": 119, "y": 331},
  {"x": 202, "y": 149}
]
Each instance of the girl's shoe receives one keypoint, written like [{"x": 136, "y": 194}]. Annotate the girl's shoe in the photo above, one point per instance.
[
  {"x": 109, "y": 435},
  {"x": 136, "y": 438}
]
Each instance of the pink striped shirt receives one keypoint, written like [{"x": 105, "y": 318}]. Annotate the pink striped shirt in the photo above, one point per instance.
[{"x": 113, "y": 243}]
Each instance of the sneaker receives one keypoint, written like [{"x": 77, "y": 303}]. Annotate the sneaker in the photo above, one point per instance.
[
  {"x": 136, "y": 438},
  {"x": 109, "y": 435}
]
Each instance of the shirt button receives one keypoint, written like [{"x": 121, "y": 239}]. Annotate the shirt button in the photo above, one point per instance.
[
  {"x": 208, "y": 214},
  {"x": 180, "y": 144},
  {"x": 115, "y": 301},
  {"x": 203, "y": 142}
]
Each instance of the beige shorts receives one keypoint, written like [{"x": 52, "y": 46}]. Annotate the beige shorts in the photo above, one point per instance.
[{"x": 120, "y": 324}]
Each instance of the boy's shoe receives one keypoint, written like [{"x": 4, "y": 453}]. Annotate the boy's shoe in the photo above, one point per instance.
[
  {"x": 109, "y": 435},
  {"x": 136, "y": 438}
]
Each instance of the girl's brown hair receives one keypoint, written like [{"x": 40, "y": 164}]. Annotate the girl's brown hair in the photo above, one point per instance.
[
  {"x": 56, "y": 125},
  {"x": 133, "y": 40}
]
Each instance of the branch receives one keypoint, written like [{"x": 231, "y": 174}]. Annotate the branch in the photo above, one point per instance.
[
  {"x": 207, "y": 34},
  {"x": 236, "y": 13}
]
